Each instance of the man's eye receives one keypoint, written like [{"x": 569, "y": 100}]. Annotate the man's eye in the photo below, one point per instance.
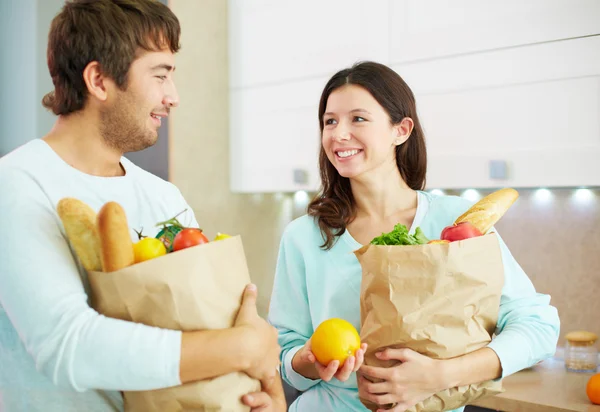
[{"x": 161, "y": 77}]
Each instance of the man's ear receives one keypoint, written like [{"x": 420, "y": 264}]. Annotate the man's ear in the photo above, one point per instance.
[
  {"x": 95, "y": 81},
  {"x": 403, "y": 130}
]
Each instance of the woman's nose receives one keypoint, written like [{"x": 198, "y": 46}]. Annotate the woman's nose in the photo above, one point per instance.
[{"x": 341, "y": 134}]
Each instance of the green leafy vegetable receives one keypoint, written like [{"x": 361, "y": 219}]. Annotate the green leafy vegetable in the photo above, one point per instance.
[{"x": 400, "y": 236}]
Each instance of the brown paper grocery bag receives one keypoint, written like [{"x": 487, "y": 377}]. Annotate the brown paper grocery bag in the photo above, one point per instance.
[
  {"x": 441, "y": 300},
  {"x": 191, "y": 289}
]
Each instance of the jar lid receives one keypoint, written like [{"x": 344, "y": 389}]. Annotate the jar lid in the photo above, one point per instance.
[{"x": 581, "y": 336}]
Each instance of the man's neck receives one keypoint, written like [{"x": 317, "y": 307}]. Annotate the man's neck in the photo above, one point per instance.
[{"x": 76, "y": 139}]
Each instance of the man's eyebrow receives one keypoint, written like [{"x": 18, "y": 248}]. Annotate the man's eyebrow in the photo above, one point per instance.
[{"x": 167, "y": 67}]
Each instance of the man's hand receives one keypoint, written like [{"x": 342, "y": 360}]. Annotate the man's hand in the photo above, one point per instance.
[
  {"x": 271, "y": 399},
  {"x": 261, "y": 348}
]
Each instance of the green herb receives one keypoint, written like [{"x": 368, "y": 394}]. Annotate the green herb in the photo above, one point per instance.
[
  {"x": 169, "y": 230},
  {"x": 400, "y": 236}
]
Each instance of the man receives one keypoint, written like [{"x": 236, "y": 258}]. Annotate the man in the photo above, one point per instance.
[{"x": 111, "y": 63}]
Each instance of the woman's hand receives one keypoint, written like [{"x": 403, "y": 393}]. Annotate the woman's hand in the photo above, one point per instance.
[
  {"x": 416, "y": 378},
  {"x": 306, "y": 364}
]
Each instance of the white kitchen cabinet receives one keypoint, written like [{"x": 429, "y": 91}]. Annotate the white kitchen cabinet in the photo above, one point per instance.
[
  {"x": 275, "y": 137},
  {"x": 508, "y": 92},
  {"x": 428, "y": 29},
  {"x": 274, "y": 41},
  {"x": 533, "y": 108}
]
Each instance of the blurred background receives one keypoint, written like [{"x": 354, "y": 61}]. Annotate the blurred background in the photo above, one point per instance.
[{"x": 508, "y": 93}]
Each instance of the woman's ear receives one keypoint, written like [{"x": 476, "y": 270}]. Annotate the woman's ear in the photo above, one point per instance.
[{"x": 403, "y": 130}]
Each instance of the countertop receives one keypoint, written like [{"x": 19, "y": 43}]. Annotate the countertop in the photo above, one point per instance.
[{"x": 546, "y": 387}]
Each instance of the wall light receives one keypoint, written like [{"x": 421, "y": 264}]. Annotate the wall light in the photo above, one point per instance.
[
  {"x": 471, "y": 194},
  {"x": 543, "y": 195},
  {"x": 300, "y": 198},
  {"x": 583, "y": 195},
  {"x": 257, "y": 198}
]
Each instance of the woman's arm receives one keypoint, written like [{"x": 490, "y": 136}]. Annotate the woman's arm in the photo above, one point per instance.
[
  {"x": 289, "y": 310},
  {"x": 527, "y": 332},
  {"x": 528, "y": 326}
]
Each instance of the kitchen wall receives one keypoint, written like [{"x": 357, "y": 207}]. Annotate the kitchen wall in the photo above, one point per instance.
[
  {"x": 24, "y": 77},
  {"x": 552, "y": 234},
  {"x": 199, "y": 146}
]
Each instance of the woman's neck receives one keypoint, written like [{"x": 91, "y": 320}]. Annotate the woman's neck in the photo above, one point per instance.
[{"x": 381, "y": 197}]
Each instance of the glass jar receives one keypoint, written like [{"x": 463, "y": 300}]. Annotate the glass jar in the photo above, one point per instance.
[{"x": 581, "y": 353}]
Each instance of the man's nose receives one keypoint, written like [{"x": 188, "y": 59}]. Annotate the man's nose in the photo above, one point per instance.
[{"x": 171, "y": 98}]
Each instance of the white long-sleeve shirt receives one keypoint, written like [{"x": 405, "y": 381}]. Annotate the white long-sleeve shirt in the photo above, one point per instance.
[{"x": 56, "y": 352}]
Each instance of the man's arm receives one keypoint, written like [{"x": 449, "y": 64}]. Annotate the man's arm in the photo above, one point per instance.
[
  {"x": 42, "y": 293},
  {"x": 250, "y": 346}
]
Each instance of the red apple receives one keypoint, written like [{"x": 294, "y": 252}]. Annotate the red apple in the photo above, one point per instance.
[{"x": 461, "y": 231}]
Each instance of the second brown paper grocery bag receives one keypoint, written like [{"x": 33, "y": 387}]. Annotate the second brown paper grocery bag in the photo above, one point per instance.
[{"x": 441, "y": 300}]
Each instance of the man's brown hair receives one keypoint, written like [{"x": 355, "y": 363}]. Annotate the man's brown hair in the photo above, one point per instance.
[{"x": 111, "y": 32}]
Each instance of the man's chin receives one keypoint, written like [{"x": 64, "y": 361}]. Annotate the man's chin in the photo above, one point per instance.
[{"x": 141, "y": 144}]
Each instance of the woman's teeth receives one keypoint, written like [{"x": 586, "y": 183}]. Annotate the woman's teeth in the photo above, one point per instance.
[{"x": 347, "y": 153}]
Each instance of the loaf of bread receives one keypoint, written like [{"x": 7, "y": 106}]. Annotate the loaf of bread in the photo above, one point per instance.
[
  {"x": 79, "y": 221},
  {"x": 485, "y": 213},
  {"x": 115, "y": 242}
]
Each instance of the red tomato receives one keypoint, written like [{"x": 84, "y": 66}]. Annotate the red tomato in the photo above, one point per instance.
[
  {"x": 187, "y": 238},
  {"x": 461, "y": 231}
]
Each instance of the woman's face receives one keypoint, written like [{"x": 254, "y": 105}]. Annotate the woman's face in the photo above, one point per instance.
[{"x": 358, "y": 136}]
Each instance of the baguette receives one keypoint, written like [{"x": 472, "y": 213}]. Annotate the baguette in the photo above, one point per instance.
[
  {"x": 79, "y": 221},
  {"x": 485, "y": 213},
  {"x": 115, "y": 242}
]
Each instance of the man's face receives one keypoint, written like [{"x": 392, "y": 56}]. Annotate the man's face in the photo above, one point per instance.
[{"x": 130, "y": 120}]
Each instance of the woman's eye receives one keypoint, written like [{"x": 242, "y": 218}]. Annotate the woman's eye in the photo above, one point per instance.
[
  {"x": 329, "y": 121},
  {"x": 161, "y": 77},
  {"x": 359, "y": 119}
]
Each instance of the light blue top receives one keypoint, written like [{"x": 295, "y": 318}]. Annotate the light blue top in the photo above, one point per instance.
[
  {"x": 57, "y": 354},
  {"x": 312, "y": 285}
]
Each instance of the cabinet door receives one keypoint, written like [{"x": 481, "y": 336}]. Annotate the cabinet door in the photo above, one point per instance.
[
  {"x": 275, "y": 137},
  {"x": 272, "y": 41},
  {"x": 426, "y": 29},
  {"x": 534, "y": 109}
]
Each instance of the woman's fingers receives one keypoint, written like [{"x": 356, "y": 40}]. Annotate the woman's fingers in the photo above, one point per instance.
[
  {"x": 344, "y": 373},
  {"x": 308, "y": 356},
  {"x": 373, "y": 387},
  {"x": 360, "y": 356},
  {"x": 327, "y": 372}
]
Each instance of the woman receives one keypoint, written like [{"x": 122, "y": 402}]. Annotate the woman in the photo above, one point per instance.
[{"x": 373, "y": 165}]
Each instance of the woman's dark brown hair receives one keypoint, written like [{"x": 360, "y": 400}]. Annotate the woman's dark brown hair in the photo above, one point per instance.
[
  {"x": 111, "y": 32},
  {"x": 334, "y": 207}
]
